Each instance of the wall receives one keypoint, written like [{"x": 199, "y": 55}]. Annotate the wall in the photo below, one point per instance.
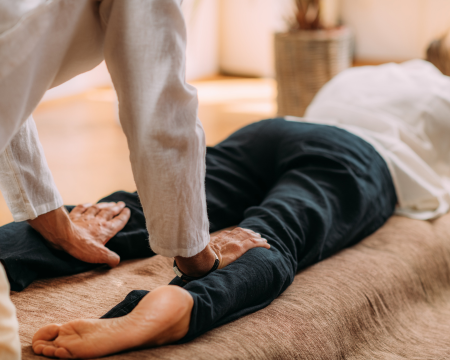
[
  {"x": 395, "y": 29},
  {"x": 386, "y": 30},
  {"x": 202, "y": 22},
  {"x": 247, "y": 27}
]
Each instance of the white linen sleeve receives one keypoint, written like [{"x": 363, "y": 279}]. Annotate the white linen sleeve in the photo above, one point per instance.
[
  {"x": 145, "y": 48},
  {"x": 9, "y": 327},
  {"x": 25, "y": 179}
]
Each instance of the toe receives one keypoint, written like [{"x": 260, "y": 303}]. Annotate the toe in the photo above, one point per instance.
[
  {"x": 49, "y": 350},
  {"x": 47, "y": 333},
  {"x": 38, "y": 347},
  {"x": 63, "y": 353}
]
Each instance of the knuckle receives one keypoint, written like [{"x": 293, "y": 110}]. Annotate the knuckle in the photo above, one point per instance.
[
  {"x": 124, "y": 215},
  {"x": 247, "y": 231},
  {"x": 236, "y": 246}
]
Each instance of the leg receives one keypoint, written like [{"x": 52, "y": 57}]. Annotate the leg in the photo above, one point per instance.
[
  {"x": 240, "y": 171},
  {"x": 331, "y": 189},
  {"x": 27, "y": 257}
]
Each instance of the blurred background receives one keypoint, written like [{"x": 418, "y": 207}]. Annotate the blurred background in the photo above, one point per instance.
[{"x": 234, "y": 60}]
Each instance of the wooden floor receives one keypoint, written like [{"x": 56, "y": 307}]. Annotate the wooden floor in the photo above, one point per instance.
[{"x": 87, "y": 150}]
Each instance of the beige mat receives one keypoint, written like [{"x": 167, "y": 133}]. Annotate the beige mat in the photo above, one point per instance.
[{"x": 386, "y": 298}]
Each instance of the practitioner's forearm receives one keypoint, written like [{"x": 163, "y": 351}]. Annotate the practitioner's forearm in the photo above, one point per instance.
[{"x": 26, "y": 181}]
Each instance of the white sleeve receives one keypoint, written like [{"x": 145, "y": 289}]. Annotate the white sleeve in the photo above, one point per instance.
[
  {"x": 145, "y": 48},
  {"x": 25, "y": 179},
  {"x": 9, "y": 327}
]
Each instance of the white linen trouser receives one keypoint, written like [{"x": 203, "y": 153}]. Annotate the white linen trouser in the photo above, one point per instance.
[{"x": 43, "y": 43}]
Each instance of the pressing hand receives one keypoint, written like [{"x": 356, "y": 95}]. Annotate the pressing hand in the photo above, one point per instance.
[
  {"x": 84, "y": 232},
  {"x": 229, "y": 245}
]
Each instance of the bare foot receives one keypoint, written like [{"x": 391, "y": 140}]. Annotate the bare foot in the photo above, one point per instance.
[{"x": 161, "y": 317}]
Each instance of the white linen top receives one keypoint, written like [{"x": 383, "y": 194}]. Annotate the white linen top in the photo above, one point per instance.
[
  {"x": 403, "y": 110},
  {"x": 9, "y": 326},
  {"x": 44, "y": 43}
]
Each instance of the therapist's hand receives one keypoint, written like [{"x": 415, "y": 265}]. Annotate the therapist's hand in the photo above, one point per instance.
[
  {"x": 229, "y": 245},
  {"x": 84, "y": 232}
]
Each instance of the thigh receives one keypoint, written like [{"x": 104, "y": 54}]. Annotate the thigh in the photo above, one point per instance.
[
  {"x": 240, "y": 171},
  {"x": 332, "y": 190}
]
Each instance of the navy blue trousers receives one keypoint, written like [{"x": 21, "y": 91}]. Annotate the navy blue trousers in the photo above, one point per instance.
[{"x": 310, "y": 190}]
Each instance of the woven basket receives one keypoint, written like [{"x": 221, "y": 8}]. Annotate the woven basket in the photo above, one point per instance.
[{"x": 307, "y": 60}]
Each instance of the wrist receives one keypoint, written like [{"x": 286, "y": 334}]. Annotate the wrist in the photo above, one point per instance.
[
  {"x": 197, "y": 265},
  {"x": 55, "y": 226}
]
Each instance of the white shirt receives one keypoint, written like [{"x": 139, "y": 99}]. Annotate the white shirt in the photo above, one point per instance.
[{"x": 403, "y": 111}]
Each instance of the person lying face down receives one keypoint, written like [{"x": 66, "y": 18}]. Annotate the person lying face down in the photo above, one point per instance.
[{"x": 310, "y": 189}]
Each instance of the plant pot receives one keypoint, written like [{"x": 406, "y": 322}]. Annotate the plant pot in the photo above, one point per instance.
[{"x": 307, "y": 60}]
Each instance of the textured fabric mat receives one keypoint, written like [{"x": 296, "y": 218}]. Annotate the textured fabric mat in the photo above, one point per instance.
[{"x": 386, "y": 298}]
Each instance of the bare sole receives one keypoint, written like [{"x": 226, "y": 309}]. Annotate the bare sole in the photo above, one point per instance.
[{"x": 161, "y": 317}]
